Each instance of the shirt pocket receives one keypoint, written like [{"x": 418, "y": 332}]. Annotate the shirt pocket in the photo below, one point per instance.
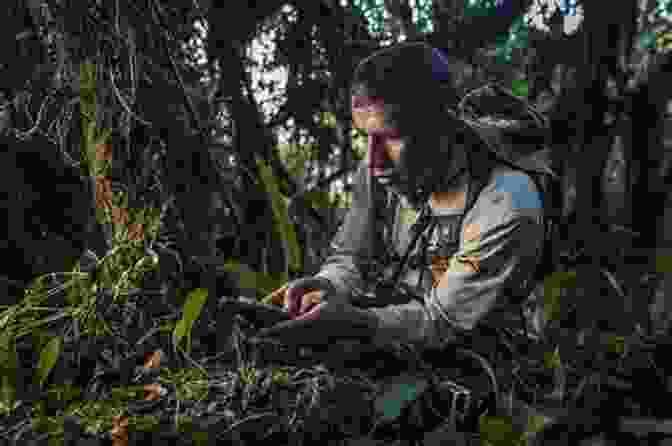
[{"x": 444, "y": 242}]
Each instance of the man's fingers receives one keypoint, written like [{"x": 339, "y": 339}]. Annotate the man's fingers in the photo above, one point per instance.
[
  {"x": 293, "y": 300},
  {"x": 310, "y": 299}
]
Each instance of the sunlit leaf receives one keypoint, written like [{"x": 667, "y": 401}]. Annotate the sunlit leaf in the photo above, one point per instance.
[
  {"x": 664, "y": 264},
  {"x": 281, "y": 216},
  {"x": 319, "y": 199},
  {"x": 398, "y": 393},
  {"x": 248, "y": 279},
  {"x": 535, "y": 423},
  {"x": 520, "y": 87},
  {"x": 499, "y": 431},
  {"x": 616, "y": 344},
  {"x": 553, "y": 285},
  {"x": 192, "y": 310},
  {"x": 647, "y": 40},
  {"x": 8, "y": 371},
  {"x": 552, "y": 359},
  {"x": 48, "y": 358}
]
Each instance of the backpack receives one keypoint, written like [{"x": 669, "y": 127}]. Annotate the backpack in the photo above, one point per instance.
[{"x": 515, "y": 134}]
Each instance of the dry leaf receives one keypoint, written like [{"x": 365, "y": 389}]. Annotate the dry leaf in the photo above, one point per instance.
[
  {"x": 104, "y": 152},
  {"x": 119, "y": 216},
  {"x": 119, "y": 431},
  {"x": 153, "y": 392},
  {"x": 153, "y": 360},
  {"x": 103, "y": 192},
  {"x": 135, "y": 232}
]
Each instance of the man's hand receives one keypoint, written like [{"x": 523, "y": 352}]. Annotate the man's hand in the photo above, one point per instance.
[
  {"x": 325, "y": 323},
  {"x": 299, "y": 296}
]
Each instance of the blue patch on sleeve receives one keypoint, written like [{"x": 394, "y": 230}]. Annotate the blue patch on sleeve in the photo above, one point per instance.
[{"x": 521, "y": 189}]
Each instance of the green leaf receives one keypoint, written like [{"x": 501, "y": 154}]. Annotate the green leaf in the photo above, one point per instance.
[
  {"x": 499, "y": 431},
  {"x": 552, "y": 359},
  {"x": 281, "y": 215},
  {"x": 48, "y": 357},
  {"x": 553, "y": 285},
  {"x": 664, "y": 264},
  {"x": 248, "y": 279},
  {"x": 535, "y": 423},
  {"x": 8, "y": 373},
  {"x": 646, "y": 40},
  {"x": 520, "y": 88},
  {"x": 192, "y": 310},
  {"x": 616, "y": 344},
  {"x": 318, "y": 198},
  {"x": 179, "y": 331},
  {"x": 398, "y": 393}
]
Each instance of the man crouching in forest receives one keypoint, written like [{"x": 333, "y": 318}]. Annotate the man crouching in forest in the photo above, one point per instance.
[{"x": 410, "y": 194}]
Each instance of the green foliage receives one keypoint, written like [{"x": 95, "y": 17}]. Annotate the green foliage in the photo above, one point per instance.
[
  {"x": 280, "y": 376},
  {"x": 8, "y": 374},
  {"x": 504, "y": 431},
  {"x": 517, "y": 38},
  {"x": 616, "y": 344},
  {"x": 664, "y": 8},
  {"x": 92, "y": 136},
  {"x": 423, "y": 16},
  {"x": 96, "y": 417},
  {"x": 319, "y": 199},
  {"x": 552, "y": 359},
  {"x": 249, "y": 375},
  {"x": 657, "y": 38},
  {"x": 397, "y": 394},
  {"x": 480, "y": 8},
  {"x": 647, "y": 40},
  {"x": 65, "y": 393},
  {"x": 48, "y": 357},
  {"x": 191, "y": 312},
  {"x": 520, "y": 87},
  {"x": 664, "y": 264},
  {"x": 283, "y": 224},
  {"x": 248, "y": 279},
  {"x": 500, "y": 431},
  {"x": 190, "y": 384},
  {"x": 374, "y": 13},
  {"x": 553, "y": 286},
  {"x": 296, "y": 157},
  {"x": 359, "y": 144}
]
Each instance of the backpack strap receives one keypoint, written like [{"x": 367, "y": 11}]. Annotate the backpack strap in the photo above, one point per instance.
[{"x": 482, "y": 159}]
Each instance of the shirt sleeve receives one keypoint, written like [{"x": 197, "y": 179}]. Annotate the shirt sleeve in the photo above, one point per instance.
[
  {"x": 498, "y": 250},
  {"x": 352, "y": 247}
]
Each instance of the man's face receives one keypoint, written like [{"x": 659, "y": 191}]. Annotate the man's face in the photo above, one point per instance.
[{"x": 385, "y": 143}]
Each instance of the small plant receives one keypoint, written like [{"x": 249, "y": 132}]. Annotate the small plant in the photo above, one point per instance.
[
  {"x": 190, "y": 384},
  {"x": 249, "y": 375}
]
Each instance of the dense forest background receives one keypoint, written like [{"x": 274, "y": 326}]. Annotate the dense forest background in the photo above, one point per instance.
[{"x": 217, "y": 136}]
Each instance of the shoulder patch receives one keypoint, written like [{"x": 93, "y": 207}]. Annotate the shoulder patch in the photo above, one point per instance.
[{"x": 520, "y": 188}]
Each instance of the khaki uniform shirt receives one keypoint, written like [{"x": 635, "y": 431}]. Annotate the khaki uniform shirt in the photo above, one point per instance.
[{"x": 473, "y": 267}]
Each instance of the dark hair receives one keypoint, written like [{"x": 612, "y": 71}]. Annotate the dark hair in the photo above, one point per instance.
[
  {"x": 415, "y": 84},
  {"x": 413, "y": 80}
]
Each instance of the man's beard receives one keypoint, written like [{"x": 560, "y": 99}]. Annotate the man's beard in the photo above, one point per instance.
[{"x": 419, "y": 172}]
